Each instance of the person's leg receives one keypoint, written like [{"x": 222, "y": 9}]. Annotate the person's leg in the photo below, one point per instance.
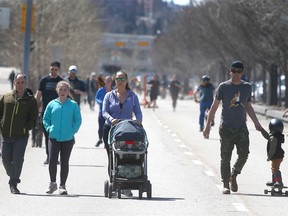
[
  {"x": 18, "y": 158},
  {"x": 202, "y": 115},
  {"x": 65, "y": 152},
  {"x": 242, "y": 144},
  {"x": 54, "y": 149},
  {"x": 276, "y": 173},
  {"x": 46, "y": 141},
  {"x": 227, "y": 146},
  {"x": 106, "y": 130},
  {"x": 7, "y": 154},
  {"x": 101, "y": 122}
]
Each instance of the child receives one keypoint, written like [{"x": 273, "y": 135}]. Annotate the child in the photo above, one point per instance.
[{"x": 274, "y": 151}]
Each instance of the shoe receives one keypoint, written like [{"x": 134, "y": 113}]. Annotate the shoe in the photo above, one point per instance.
[
  {"x": 201, "y": 129},
  {"x": 226, "y": 188},
  {"x": 62, "y": 190},
  {"x": 98, "y": 143},
  {"x": 52, "y": 187},
  {"x": 14, "y": 189},
  {"x": 127, "y": 192},
  {"x": 46, "y": 161},
  {"x": 233, "y": 183}
]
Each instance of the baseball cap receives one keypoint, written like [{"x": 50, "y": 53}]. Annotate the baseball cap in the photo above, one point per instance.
[
  {"x": 73, "y": 69},
  {"x": 237, "y": 64}
]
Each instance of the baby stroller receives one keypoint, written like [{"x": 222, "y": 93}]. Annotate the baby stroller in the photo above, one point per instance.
[{"x": 127, "y": 160}]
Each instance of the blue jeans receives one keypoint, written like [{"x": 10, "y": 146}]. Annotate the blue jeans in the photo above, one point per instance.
[
  {"x": 13, "y": 152},
  {"x": 203, "y": 106}
]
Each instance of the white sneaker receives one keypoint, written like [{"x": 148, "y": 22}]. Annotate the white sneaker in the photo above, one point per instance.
[
  {"x": 52, "y": 187},
  {"x": 62, "y": 190}
]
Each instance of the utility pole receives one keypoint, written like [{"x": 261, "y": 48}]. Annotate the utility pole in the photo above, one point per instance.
[{"x": 27, "y": 37}]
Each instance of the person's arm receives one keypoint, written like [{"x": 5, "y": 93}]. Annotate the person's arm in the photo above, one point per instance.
[
  {"x": 211, "y": 115},
  {"x": 38, "y": 97},
  {"x": 251, "y": 113},
  {"x": 77, "y": 119},
  {"x": 99, "y": 96},
  {"x": 285, "y": 113},
  {"x": 47, "y": 118},
  {"x": 106, "y": 109},
  {"x": 195, "y": 94},
  {"x": 137, "y": 109}
]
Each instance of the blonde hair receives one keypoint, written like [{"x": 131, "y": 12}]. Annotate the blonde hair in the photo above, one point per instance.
[{"x": 63, "y": 82}]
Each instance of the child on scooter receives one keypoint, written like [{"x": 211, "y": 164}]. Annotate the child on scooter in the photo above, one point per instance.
[{"x": 275, "y": 153}]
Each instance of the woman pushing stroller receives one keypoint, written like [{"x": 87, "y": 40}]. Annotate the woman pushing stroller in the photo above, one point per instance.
[{"x": 119, "y": 104}]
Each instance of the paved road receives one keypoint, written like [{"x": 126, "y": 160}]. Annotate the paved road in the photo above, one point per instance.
[{"x": 182, "y": 166}]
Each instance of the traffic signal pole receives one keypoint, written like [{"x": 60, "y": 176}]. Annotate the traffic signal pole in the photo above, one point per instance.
[{"x": 27, "y": 37}]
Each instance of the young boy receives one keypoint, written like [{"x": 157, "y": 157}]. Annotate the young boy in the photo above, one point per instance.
[{"x": 275, "y": 153}]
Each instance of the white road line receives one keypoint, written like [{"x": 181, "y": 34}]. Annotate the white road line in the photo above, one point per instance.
[
  {"x": 209, "y": 173},
  {"x": 240, "y": 207},
  {"x": 182, "y": 146},
  {"x": 177, "y": 140},
  {"x": 188, "y": 153},
  {"x": 197, "y": 162}
]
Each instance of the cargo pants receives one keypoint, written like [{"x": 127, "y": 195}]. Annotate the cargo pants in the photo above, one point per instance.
[{"x": 229, "y": 138}]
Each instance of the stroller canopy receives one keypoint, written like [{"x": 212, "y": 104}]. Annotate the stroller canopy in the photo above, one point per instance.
[{"x": 127, "y": 130}]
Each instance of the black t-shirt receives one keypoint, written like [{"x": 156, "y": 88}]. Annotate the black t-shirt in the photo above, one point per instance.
[
  {"x": 174, "y": 87},
  {"x": 47, "y": 86}
]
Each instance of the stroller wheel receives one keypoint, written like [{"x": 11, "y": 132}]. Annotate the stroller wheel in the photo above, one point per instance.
[
  {"x": 119, "y": 191},
  {"x": 140, "y": 191},
  {"x": 106, "y": 185},
  {"x": 149, "y": 190},
  {"x": 110, "y": 191}
]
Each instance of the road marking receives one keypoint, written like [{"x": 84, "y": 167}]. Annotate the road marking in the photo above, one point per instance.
[
  {"x": 197, "y": 162},
  {"x": 188, "y": 153},
  {"x": 177, "y": 140},
  {"x": 240, "y": 207},
  {"x": 209, "y": 173},
  {"x": 182, "y": 146}
]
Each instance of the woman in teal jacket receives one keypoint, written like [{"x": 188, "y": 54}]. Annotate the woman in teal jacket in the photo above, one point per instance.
[{"x": 62, "y": 119}]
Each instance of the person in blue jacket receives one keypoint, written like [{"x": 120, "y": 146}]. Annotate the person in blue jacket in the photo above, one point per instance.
[
  {"x": 99, "y": 99},
  {"x": 62, "y": 119}
]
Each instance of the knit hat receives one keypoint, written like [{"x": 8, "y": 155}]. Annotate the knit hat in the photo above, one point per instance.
[{"x": 237, "y": 64}]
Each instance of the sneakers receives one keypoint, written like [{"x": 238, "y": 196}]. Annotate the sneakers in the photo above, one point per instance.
[
  {"x": 14, "y": 189},
  {"x": 98, "y": 143},
  {"x": 52, "y": 187},
  {"x": 46, "y": 161},
  {"x": 62, "y": 190},
  {"x": 226, "y": 188},
  {"x": 233, "y": 183},
  {"x": 127, "y": 192}
]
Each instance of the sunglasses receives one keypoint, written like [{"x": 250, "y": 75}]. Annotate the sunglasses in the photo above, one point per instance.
[
  {"x": 121, "y": 79},
  {"x": 238, "y": 71}
]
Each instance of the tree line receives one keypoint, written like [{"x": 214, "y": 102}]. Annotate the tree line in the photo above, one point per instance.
[{"x": 206, "y": 38}]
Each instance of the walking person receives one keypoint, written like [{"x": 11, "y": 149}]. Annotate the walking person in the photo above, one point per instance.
[
  {"x": 235, "y": 95},
  {"x": 47, "y": 92},
  {"x": 154, "y": 91},
  {"x": 92, "y": 89},
  {"x": 275, "y": 153},
  {"x": 78, "y": 88},
  {"x": 61, "y": 136},
  {"x": 99, "y": 99},
  {"x": 18, "y": 115},
  {"x": 11, "y": 78},
  {"x": 119, "y": 104},
  {"x": 206, "y": 94},
  {"x": 174, "y": 88}
]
